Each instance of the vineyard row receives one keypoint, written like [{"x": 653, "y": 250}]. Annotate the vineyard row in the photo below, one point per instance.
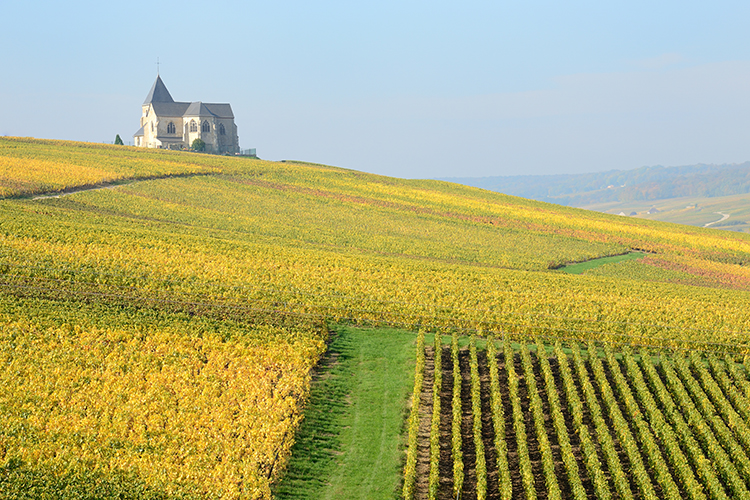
[
  {"x": 262, "y": 306},
  {"x": 497, "y": 420}
]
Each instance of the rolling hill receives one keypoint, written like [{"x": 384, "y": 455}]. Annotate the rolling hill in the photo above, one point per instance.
[
  {"x": 691, "y": 195},
  {"x": 158, "y": 328},
  {"x": 641, "y": 184}
]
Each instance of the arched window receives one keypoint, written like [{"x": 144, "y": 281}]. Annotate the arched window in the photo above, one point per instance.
[
  {"x": 222, "y": 130},
  {"x": 170, "y": 128},
  {"x": 205, "y": 127},
  {"x": 193, "y": 126}
]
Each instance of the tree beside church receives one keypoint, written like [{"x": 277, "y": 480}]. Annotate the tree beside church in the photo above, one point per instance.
[{"x": 168, "y": 124}]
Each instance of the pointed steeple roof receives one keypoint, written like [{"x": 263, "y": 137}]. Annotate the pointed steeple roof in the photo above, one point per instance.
[{"x": 158, "y": 93}]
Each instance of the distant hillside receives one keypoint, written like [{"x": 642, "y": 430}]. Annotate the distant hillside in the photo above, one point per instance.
[{"x": 642, "y": 184}]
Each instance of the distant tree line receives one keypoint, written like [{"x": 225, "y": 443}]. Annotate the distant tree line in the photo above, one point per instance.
[{"x": 645, "y": 183}]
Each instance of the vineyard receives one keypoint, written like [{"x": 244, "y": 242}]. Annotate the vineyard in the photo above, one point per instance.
[
  {"x": 501, "y": 420},
  {"x": 200, "y": 281},
  {"x": 34, "y": 166}
]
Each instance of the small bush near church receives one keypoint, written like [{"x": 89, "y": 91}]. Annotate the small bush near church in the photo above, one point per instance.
[{"x": 199, "y": 145}]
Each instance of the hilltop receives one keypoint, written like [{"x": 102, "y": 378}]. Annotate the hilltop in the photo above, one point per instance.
[
  {"x": 202, "y": 282},
  {"x": 338, "y": 236}
]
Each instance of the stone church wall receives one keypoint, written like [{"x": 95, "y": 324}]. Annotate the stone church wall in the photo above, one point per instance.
[{"x": 220, "y": 138}]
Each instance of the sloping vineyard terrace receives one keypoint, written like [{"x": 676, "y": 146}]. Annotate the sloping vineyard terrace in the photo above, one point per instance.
[
  {"x": 254, "y": 259},
  {"x": 578, "y": 421}
]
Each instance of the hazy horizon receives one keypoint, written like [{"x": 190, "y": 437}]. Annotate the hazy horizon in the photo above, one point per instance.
[{"x": 416, "y": 90}]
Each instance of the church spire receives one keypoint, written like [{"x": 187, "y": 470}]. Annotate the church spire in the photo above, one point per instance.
[{"x": 158, "y": 93}]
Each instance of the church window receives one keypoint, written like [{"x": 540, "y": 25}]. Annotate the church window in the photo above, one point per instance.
[
  {"x": 222, "y": 130},
  {"x": 170, "y": 128},
  {"x": 205, "y": 127},
  {"x": 193, "y": 126}
]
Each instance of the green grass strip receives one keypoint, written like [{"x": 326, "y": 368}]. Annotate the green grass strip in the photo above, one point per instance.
[
  {"x": 349, "y": 445},
  {"x": 581, "y": 267}
]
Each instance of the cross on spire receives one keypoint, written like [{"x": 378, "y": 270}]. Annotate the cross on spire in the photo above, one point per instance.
[{"x": 157, "y": 66}]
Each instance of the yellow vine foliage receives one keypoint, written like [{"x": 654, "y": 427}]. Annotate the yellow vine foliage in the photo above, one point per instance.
[
  {"x": 183, "y": 413},
  {"x": 271, "y": 252},
  {"x": 33, "y": 166}
]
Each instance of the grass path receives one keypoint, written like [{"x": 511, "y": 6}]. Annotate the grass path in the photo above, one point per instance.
[
  {"x": 582, "y": 267},
  {"x": 350, "y": 445}
]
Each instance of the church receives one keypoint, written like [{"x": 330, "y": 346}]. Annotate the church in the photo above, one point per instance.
[{"x": 168, "y": 124}]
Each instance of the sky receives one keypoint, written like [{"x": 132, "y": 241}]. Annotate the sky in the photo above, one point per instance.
[{"x": 410, "y": 89}]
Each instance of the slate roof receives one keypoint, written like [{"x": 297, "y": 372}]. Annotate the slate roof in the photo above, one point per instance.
[
  {"x": 209, "y": 109},
  {"x": 198, "y": 109},
  {"x": 220, "y": 110},
  {"x": 139, "y": 133},
  {"x": 170, "y": 108},
  {"x": 158, "y": 93}
]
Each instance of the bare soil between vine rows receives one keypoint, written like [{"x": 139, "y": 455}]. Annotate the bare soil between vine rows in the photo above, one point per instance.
[{"x": 445, "y": 466}]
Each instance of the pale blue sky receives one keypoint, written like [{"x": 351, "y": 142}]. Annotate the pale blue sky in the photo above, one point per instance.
[{"x": 404, "y": 88}]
